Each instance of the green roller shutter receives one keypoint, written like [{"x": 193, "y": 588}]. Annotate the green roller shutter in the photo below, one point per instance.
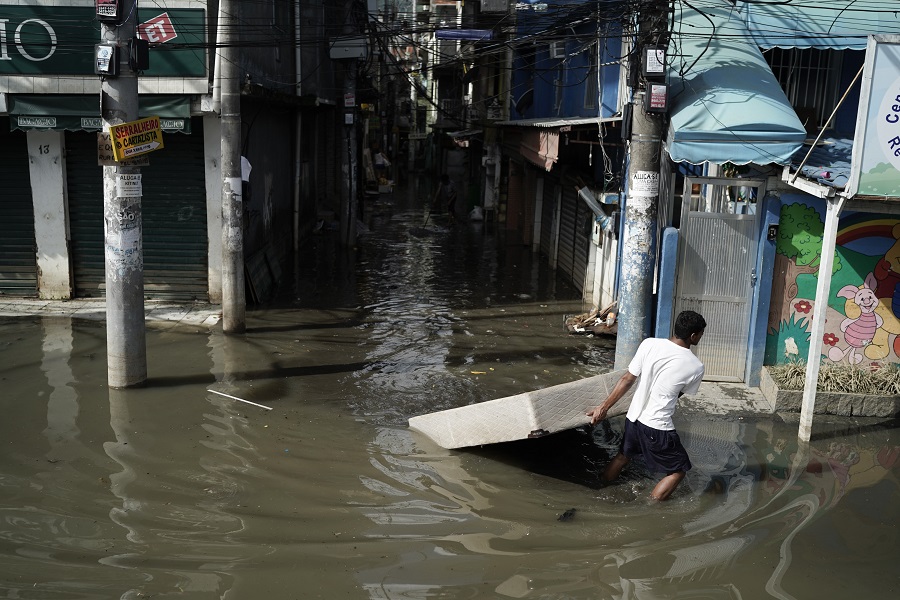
[
  {"x": 84, "y": 181},
  {"x": 18, "y": 259},
  {"x": 174, "y": 211}
]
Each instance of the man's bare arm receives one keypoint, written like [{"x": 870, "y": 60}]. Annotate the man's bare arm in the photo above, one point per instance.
[{"x": 624, "y": 384}]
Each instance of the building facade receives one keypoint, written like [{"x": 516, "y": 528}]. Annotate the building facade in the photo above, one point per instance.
[{"x": 51, "y": 220}]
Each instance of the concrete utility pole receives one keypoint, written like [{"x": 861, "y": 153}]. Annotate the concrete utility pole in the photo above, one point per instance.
[
  {"x": 641, "y": 208},
  {"x": 234, "y": 301},
  {"x": 123, "y": 232}
]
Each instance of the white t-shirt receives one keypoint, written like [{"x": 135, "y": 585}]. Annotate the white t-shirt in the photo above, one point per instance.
[{"x": 664, "y": 370}]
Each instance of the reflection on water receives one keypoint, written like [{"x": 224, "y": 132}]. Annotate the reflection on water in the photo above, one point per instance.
[{"x": 172, "y": 491}]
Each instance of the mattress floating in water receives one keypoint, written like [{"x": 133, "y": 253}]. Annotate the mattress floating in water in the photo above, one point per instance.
[{"x": 529, "y": 415}]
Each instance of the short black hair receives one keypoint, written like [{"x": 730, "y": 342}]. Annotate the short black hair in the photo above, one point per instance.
[{"x": 688, "y": 323}]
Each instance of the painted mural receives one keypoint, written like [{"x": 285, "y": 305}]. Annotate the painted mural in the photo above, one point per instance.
[{"x": 862, "y": 326}]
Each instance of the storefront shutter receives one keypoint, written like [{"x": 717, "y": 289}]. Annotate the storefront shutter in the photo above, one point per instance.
[
  {"x": 18, "y": 261},
  {"x": 567, "y": 218},
  {"x": 583, "y": 227},
  {"x": 174, "y": 210},
  {"x": 547, "y": 211}
]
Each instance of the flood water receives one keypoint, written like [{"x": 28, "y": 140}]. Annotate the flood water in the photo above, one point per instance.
[{"x": 173, "y": 491}]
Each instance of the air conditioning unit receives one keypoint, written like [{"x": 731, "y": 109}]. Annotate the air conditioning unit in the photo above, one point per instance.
[{"x": 557, "y": 50}]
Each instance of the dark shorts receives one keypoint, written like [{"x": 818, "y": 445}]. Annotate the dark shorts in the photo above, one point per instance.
[{"x": 661, "y": 449}]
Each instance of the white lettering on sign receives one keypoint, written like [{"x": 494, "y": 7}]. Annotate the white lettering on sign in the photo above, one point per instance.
[
  {"x": 157, "y": 30},
  {"x": 49, "y": 122},
  {"x": 17, "y": 40}
]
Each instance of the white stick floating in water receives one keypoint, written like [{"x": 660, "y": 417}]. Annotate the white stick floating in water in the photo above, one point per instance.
[{"x": 240, "y": 399}]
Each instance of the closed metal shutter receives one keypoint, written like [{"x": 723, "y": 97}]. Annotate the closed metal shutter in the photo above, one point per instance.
[
  {"x": 567, "y": 218},
  {"x": 514, "y": 197},
  {"x": 84, "y": 182},
  {"x": 174, "y": 217},
  {"x": 583, "y": 227},
  {"x": 18, "y": 259},
  {"x": 547, "y": 211}
]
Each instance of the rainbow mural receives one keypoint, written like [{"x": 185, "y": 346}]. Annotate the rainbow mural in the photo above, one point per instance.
[{"x": 863, "y": 310}]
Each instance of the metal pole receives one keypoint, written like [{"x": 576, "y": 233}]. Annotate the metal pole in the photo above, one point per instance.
[
  {"x": 123, "y": 232},
  {"x": 639, "y": 232},
  {"x": 234, "y": 303},
  {"x": 817, "y": 327},
  {"x": 348, "y": 158},
  {"x": 348, "y": 164}
]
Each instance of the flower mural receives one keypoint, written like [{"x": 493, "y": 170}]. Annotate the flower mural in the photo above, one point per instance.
[
  {"x": 830, "y": 339},
  {"x": 803, "y": 307}
]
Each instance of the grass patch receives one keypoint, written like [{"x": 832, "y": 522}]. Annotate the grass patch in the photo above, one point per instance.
[{"x": 883, "y": 381}]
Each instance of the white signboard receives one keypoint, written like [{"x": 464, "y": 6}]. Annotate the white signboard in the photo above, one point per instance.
[
  {"x": 875, "y": 167},
  {"x": 128, "y": 185},
  {"x": 645, "y": 184}
]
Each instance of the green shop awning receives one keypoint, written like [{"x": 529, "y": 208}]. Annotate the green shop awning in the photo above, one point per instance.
[
  {"x": 725, "y": 103},
  {"x": 82, "y": 113}
]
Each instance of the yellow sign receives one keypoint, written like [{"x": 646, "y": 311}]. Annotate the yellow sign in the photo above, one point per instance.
[{"x": 136, "y": 138}]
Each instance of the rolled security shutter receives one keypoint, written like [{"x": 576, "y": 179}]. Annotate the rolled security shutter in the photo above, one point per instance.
[
  {"x": 175, "y": 236},
  {"x": 567, "y": 222},
  {"x": 582, "y": 243},
  {"x": 18, "y": 259},
  {"x": 174, "y": 218},
  {"x": 84, "y": 182},
  {"x": 547, "y": 211}
]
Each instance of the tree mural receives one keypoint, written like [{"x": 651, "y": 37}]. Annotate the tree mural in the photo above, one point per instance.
[{"x": 797, "y": 251}]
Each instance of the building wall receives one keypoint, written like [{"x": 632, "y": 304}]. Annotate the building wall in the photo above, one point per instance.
[
  {"x": 867, "y": 266},
  {"x": 535, "y": 68},
  {"x": 268, "y": 205}
]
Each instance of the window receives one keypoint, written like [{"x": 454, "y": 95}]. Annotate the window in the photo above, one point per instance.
[{"x": 811, "y": 79}]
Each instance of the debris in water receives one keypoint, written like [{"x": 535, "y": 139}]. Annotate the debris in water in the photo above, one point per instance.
[
  {"x": 602, "y": 322},
  {"x": 567, "y": 516},
  {"x": 240, "y": 399}
]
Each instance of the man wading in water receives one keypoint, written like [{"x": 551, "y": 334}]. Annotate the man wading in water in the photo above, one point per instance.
[{"x": 664, "y": 369}]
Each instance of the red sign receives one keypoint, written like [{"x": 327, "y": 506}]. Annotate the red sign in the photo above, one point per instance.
[
  {"x": 658, "y": 97},
  {"x": 157, "y": 30}
]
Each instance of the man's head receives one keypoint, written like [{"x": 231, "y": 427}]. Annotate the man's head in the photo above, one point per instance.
[{"x": 689, "y": 326}]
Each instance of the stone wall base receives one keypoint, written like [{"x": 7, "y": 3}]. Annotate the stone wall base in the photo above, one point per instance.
[{"x": 829, "y": 403}]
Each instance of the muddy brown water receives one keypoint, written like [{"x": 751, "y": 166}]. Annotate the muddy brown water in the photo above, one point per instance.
[{"x": 172, "y": 491}]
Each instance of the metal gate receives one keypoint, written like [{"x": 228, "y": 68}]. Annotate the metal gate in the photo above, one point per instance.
[
  {"x": 174, "y": 211},
  {"x": 547, "y": 212},
  {"x": 18, "y": 261},
  {"x": 716, "y": 269},
  {"x": 567, "y": 221}
]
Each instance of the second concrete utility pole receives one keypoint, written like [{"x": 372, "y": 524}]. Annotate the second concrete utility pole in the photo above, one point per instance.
[{"x": 234, "y": 301}]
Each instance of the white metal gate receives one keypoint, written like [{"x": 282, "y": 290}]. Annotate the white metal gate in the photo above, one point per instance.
[{"x": 716, "y": 268}]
